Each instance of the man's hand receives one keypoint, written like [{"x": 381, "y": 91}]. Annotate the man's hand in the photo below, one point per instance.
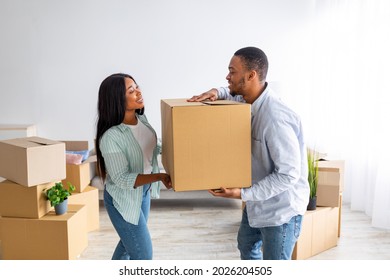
[
  {"x": 212, "y": 95},
  {"x": 228, "y": 193}
]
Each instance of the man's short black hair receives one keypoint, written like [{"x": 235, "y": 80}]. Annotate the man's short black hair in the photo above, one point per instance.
[{"x": 254, "y": 59}]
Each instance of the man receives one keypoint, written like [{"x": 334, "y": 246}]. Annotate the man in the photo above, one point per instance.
[{"x": 274, "y": 204}]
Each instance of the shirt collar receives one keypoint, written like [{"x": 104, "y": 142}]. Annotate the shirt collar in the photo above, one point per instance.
[
  {"x": 259, "y": 101},
  {"x": 122, "y": 127}
]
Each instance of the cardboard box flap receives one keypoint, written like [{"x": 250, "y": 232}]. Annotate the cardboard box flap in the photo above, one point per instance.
[
  {"x": 182, "y": 102},
  {"x": 329, "y": 169},
  {"x": 332, "y": 163},
  {"x": 76, "y": 145},
  {"x": 30, "y": 142},
  {"x": 40, "y": 142},
  {"x": 90, "y": 159},
  {"x": 222, "y": 102}
]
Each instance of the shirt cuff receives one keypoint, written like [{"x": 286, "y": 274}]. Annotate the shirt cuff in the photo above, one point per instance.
[{"x": 246, "y": 194}]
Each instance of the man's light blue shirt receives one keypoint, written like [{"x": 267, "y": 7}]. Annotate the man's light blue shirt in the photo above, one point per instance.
[{"x": 280, "y": 188}]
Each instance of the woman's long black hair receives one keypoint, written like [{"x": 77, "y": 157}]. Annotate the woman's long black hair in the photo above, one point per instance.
[{"x": 111, "y": 111}]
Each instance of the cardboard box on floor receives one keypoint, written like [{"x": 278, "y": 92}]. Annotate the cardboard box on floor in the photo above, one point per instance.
[
  {"x": 78, "y": 175},
  {"x": 319, "y": 232},
  {"x": 32, "y": 161},
  {"x": 23, "y": 202},
  {"x": 90, "y": 198},
  {"x": 206, "y": 145},
  {"x": 52, "y": 237}
]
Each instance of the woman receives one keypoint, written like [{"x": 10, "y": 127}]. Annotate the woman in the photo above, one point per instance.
[{"x": 126, "y": 148}]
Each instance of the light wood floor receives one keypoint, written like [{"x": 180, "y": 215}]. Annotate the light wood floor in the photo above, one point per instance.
[{"x": 197, "y": 226}]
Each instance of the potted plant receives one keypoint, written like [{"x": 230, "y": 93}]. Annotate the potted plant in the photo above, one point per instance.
[
  {"x": 58, "y": 197},
  {"x": 312, "y": 162}
]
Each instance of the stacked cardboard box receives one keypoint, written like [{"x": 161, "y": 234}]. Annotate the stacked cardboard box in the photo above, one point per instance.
[
  {"x": 29, "y": 226},
  {"x": 321, "y": 227},
  {"x": 32, "y": 161},
  {"x": 52, "y": 237},
  {"x": 330, "y": 182},
  {"x": 90, "y": 198},
  {"x": 24, "y": 202},
  {"x": 79, "y": 175},
  {"x": 318, "y": 232},
  {"x": 331, "y": 185},
  {"x": 206, "y": 145}
]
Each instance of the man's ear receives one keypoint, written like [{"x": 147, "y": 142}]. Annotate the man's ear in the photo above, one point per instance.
[{"x": 252, "y": 75}]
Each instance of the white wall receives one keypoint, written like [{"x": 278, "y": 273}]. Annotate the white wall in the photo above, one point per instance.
[{"x": 54, "y": 54}]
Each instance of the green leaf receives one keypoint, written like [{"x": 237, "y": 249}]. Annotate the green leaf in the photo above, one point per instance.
[
  {"x": 312, "y": 162},
  {"x": 57, "y": 193}
]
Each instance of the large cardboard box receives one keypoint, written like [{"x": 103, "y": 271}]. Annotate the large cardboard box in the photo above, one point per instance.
[
  {"x": 319, "y": 232},
  {"x": 32, "y": 161},
  {"x": 78, "y": 175},
  {"x": 325, "y": 229},
  {"x": 52, "y": 237},
  {"x": 90, "y": 198},
  {"x": 302, "y": 249},
  {"x": 24, "y": 202},
  {"x": 206, "y": 145}
]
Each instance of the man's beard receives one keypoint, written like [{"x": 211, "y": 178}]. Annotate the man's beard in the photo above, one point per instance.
[{"x": 240, "y": 86}]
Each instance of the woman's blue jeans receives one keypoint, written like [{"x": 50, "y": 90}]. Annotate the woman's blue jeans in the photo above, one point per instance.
[
  {"x": 268, "y": 243},
  {"x": 135, "y": 242}
]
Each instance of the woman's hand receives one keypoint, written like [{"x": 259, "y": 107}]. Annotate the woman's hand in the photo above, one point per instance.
[
  {"x": 166, "y": 179},
  {"x": 143, "y": 179}
]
